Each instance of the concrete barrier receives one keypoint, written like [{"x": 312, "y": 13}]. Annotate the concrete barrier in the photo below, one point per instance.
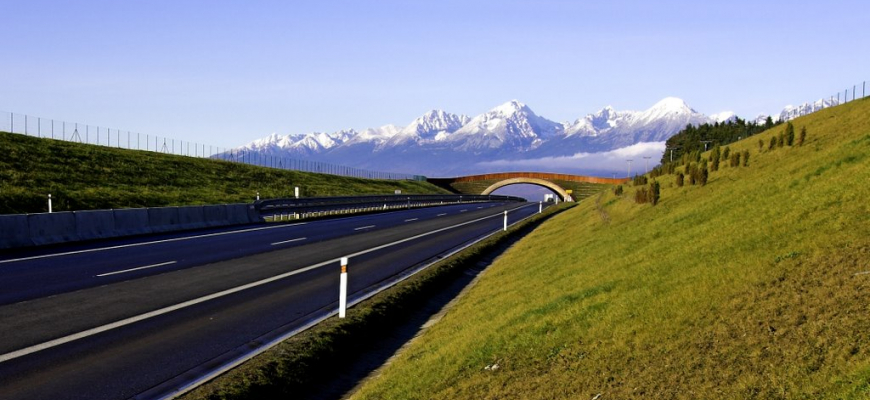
[
  {"x": 191, "y": 217},
  {"x": 163, "y": 219},
  {"x": 97, "y": 224},
  {"x": 49, "y": 228},
  {"x": 14, "y": 231},
  {"x": 215, "y": 215},
  {"x": 131, "y": 221},
  {"x": 238, "y": 214}
]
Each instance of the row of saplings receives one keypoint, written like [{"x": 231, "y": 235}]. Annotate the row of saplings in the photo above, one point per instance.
[{"x": 697, "y": 172}]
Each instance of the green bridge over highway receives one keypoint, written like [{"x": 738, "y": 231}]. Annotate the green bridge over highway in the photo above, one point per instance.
[{"x": 567, "y": 187}]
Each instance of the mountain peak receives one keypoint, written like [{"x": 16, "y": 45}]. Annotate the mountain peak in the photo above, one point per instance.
[
  {"x": 510, "y": 108},
  {"x": 672, "y": 104}
]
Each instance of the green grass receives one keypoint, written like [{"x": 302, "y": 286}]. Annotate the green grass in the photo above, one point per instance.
[
  {"x": 751, "y": 287},
  {"x": 295, "y": 367},
  {"x": 82, "y": 177}
]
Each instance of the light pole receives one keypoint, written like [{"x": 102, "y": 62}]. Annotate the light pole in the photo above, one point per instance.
[
  {"x": 646, "y": 163},
  {"x": 629, "y": 167},
  {"x": 705, "y": 143}
]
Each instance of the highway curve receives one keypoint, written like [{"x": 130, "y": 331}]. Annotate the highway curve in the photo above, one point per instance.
[{"x": 117, "y": 319}]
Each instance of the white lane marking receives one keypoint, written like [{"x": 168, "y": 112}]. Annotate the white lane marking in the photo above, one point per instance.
[
  {"x": 442, "y": 214},
  {"x": 412, "y": 219},
  {"x": 479, "y": 208},
  {"x": 364, "y": 227},
  {"x": 137, "y": 268},
  {"x": 147, "y": 243},
  {"x": 127, "y": 321},
  {"x": 288, "y": 241},
  {"x": 463, "y": 210}
]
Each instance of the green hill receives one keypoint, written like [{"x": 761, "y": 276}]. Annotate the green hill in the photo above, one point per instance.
[
  {"x": 83, "y": 177},
  {"x": 756, "y": 285}
]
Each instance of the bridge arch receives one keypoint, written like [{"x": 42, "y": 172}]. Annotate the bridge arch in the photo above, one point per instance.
[{"x": 563, "y": 195}]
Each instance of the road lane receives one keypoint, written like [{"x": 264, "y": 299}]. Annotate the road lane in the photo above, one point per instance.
[
  {"x": 46, "y": 272},
  {"x": 128, "y": 360}
]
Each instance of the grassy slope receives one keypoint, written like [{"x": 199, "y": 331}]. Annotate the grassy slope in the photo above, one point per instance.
[
  {"x": 749, "y": 287},
  {"x": 81, "y": 177}
]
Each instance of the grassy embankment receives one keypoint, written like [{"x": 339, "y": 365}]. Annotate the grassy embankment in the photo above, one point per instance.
[
  {"x": 83, "y": 177},
  {"x": 756, "y": 285},
  {"x": 298, "y": 366}
]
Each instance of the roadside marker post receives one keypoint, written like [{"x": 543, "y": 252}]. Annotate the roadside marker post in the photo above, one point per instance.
[
  {"x": 505, "y": 220},
  {"x": 342, "y": 291},
  {"x": 540, "y": 207},
  {"x": 49, "y": 203},
  {"x": 296, "y": 191}
]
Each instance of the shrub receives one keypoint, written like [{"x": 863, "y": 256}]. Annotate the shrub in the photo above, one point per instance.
[
  {"x": 780, "y": 141},
  {"x": 680, "y": 179},
  {"x": 760, "y": 145},
  {"x": 735, "y": 159},
  {"x": 803, "y": 136},
  {"x": 726, "y": 152},
  {"x": 617, "y": 190},
  {"x": 692, "y": 173},
  {"x": 772, "y": 143},
  {"x": 639, "y": 180},
  {"x": 641, "y": 196},
  {"x": 703, "y": 174},
  {"x": 789, "y": 134},
  {"x": 654, "y": 192},
  {"x": 714, "y": 159},
  {"x": 745, "y": 158}
]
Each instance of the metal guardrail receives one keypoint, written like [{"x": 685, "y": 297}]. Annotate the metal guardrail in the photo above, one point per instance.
[{"x": 274, "y": 209}]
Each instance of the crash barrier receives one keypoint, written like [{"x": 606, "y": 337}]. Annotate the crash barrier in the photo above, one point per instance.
[
  {"x": 24, "y": 230},
  {"x": 280, "y": 209}
]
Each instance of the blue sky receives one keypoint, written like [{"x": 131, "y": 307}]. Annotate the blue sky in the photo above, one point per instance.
[{"x": 225, "y": 73}]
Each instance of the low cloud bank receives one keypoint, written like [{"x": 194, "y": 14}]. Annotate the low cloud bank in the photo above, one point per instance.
[{"x": 614, "y": 161}]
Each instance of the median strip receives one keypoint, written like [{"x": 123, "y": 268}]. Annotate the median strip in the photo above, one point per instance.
[
  {"x": 137, "y": 268},
  {"x": 127, "y": 321}
]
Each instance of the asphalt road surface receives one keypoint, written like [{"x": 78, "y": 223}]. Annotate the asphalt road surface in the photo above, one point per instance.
[{"x": 114, "y": 319}]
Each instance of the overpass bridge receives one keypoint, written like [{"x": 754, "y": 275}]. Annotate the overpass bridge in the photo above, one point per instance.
[{"x": 566, "y": 186}]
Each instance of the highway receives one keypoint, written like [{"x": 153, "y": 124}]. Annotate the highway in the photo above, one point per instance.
[{"x": 116, "y": 319}]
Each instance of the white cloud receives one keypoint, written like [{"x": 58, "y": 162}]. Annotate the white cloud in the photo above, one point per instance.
[{"x": 609, "y": 161}]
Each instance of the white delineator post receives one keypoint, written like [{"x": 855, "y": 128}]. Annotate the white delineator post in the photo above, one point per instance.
[
  {"x": 540, "y": 207},
  {"x": 49, "y": 203},
  {"x": 296, "y": 191},
  {"x": 258, "y": 196},
  {"x": 342, "y": 291},
  {"x": 505, "y": 220}
]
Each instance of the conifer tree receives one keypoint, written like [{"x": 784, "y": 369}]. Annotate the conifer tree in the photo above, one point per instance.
[
  {"x": 714, "y": 159},
  {"x": 789, "y": 133},
  {"x": 745, "y": 158},
  {"x": 803, "y": 136}
]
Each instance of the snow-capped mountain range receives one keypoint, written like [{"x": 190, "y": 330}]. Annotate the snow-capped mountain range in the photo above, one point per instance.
[{"x": 442, "y": 143}]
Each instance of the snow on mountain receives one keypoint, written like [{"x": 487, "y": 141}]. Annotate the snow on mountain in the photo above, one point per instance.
[
  {"x": 438, "y": 142},
  {"x": 512, "y": 125},
  {"x": 723, "y": 116}
]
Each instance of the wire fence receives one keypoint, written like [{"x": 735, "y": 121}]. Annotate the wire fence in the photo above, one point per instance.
[
  {"x": 793, "y": 112},
  {"x": 124, "y": 139}
]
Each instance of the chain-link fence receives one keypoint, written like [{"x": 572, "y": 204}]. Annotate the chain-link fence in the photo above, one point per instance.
[
  {"x": 101, "y": 136},
  {"x": 857, "y": 92}
]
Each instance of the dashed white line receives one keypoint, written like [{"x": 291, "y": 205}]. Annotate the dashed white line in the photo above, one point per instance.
[
  {"x": 148, "y": 243},
  {"x": 412, "y": 219},
  {"x": 137, "y": 268},
  {"x": 288, "y": 241},
  {"x": 442, "y": 214},
  {"x": 463, "y": 210},
  {"x": 130, "y": 320},
  {"x": 364, "y": 227}
]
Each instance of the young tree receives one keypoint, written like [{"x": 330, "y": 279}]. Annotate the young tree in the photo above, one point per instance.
[
  {"x": 654, "y": 192},
  {"x": 680, "y": 179},
  {"x": 726, "y": 152},
  {"x": 760, "y": 145},
  {"x": 714, "y": 159},
  {"x": 772, "y": 143},
  {"x": 780, "y": 140},
  {"x": 745, "y": 158},
  {"x": 803, "y": 136},
  {"x": 789, "y": 133}
]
